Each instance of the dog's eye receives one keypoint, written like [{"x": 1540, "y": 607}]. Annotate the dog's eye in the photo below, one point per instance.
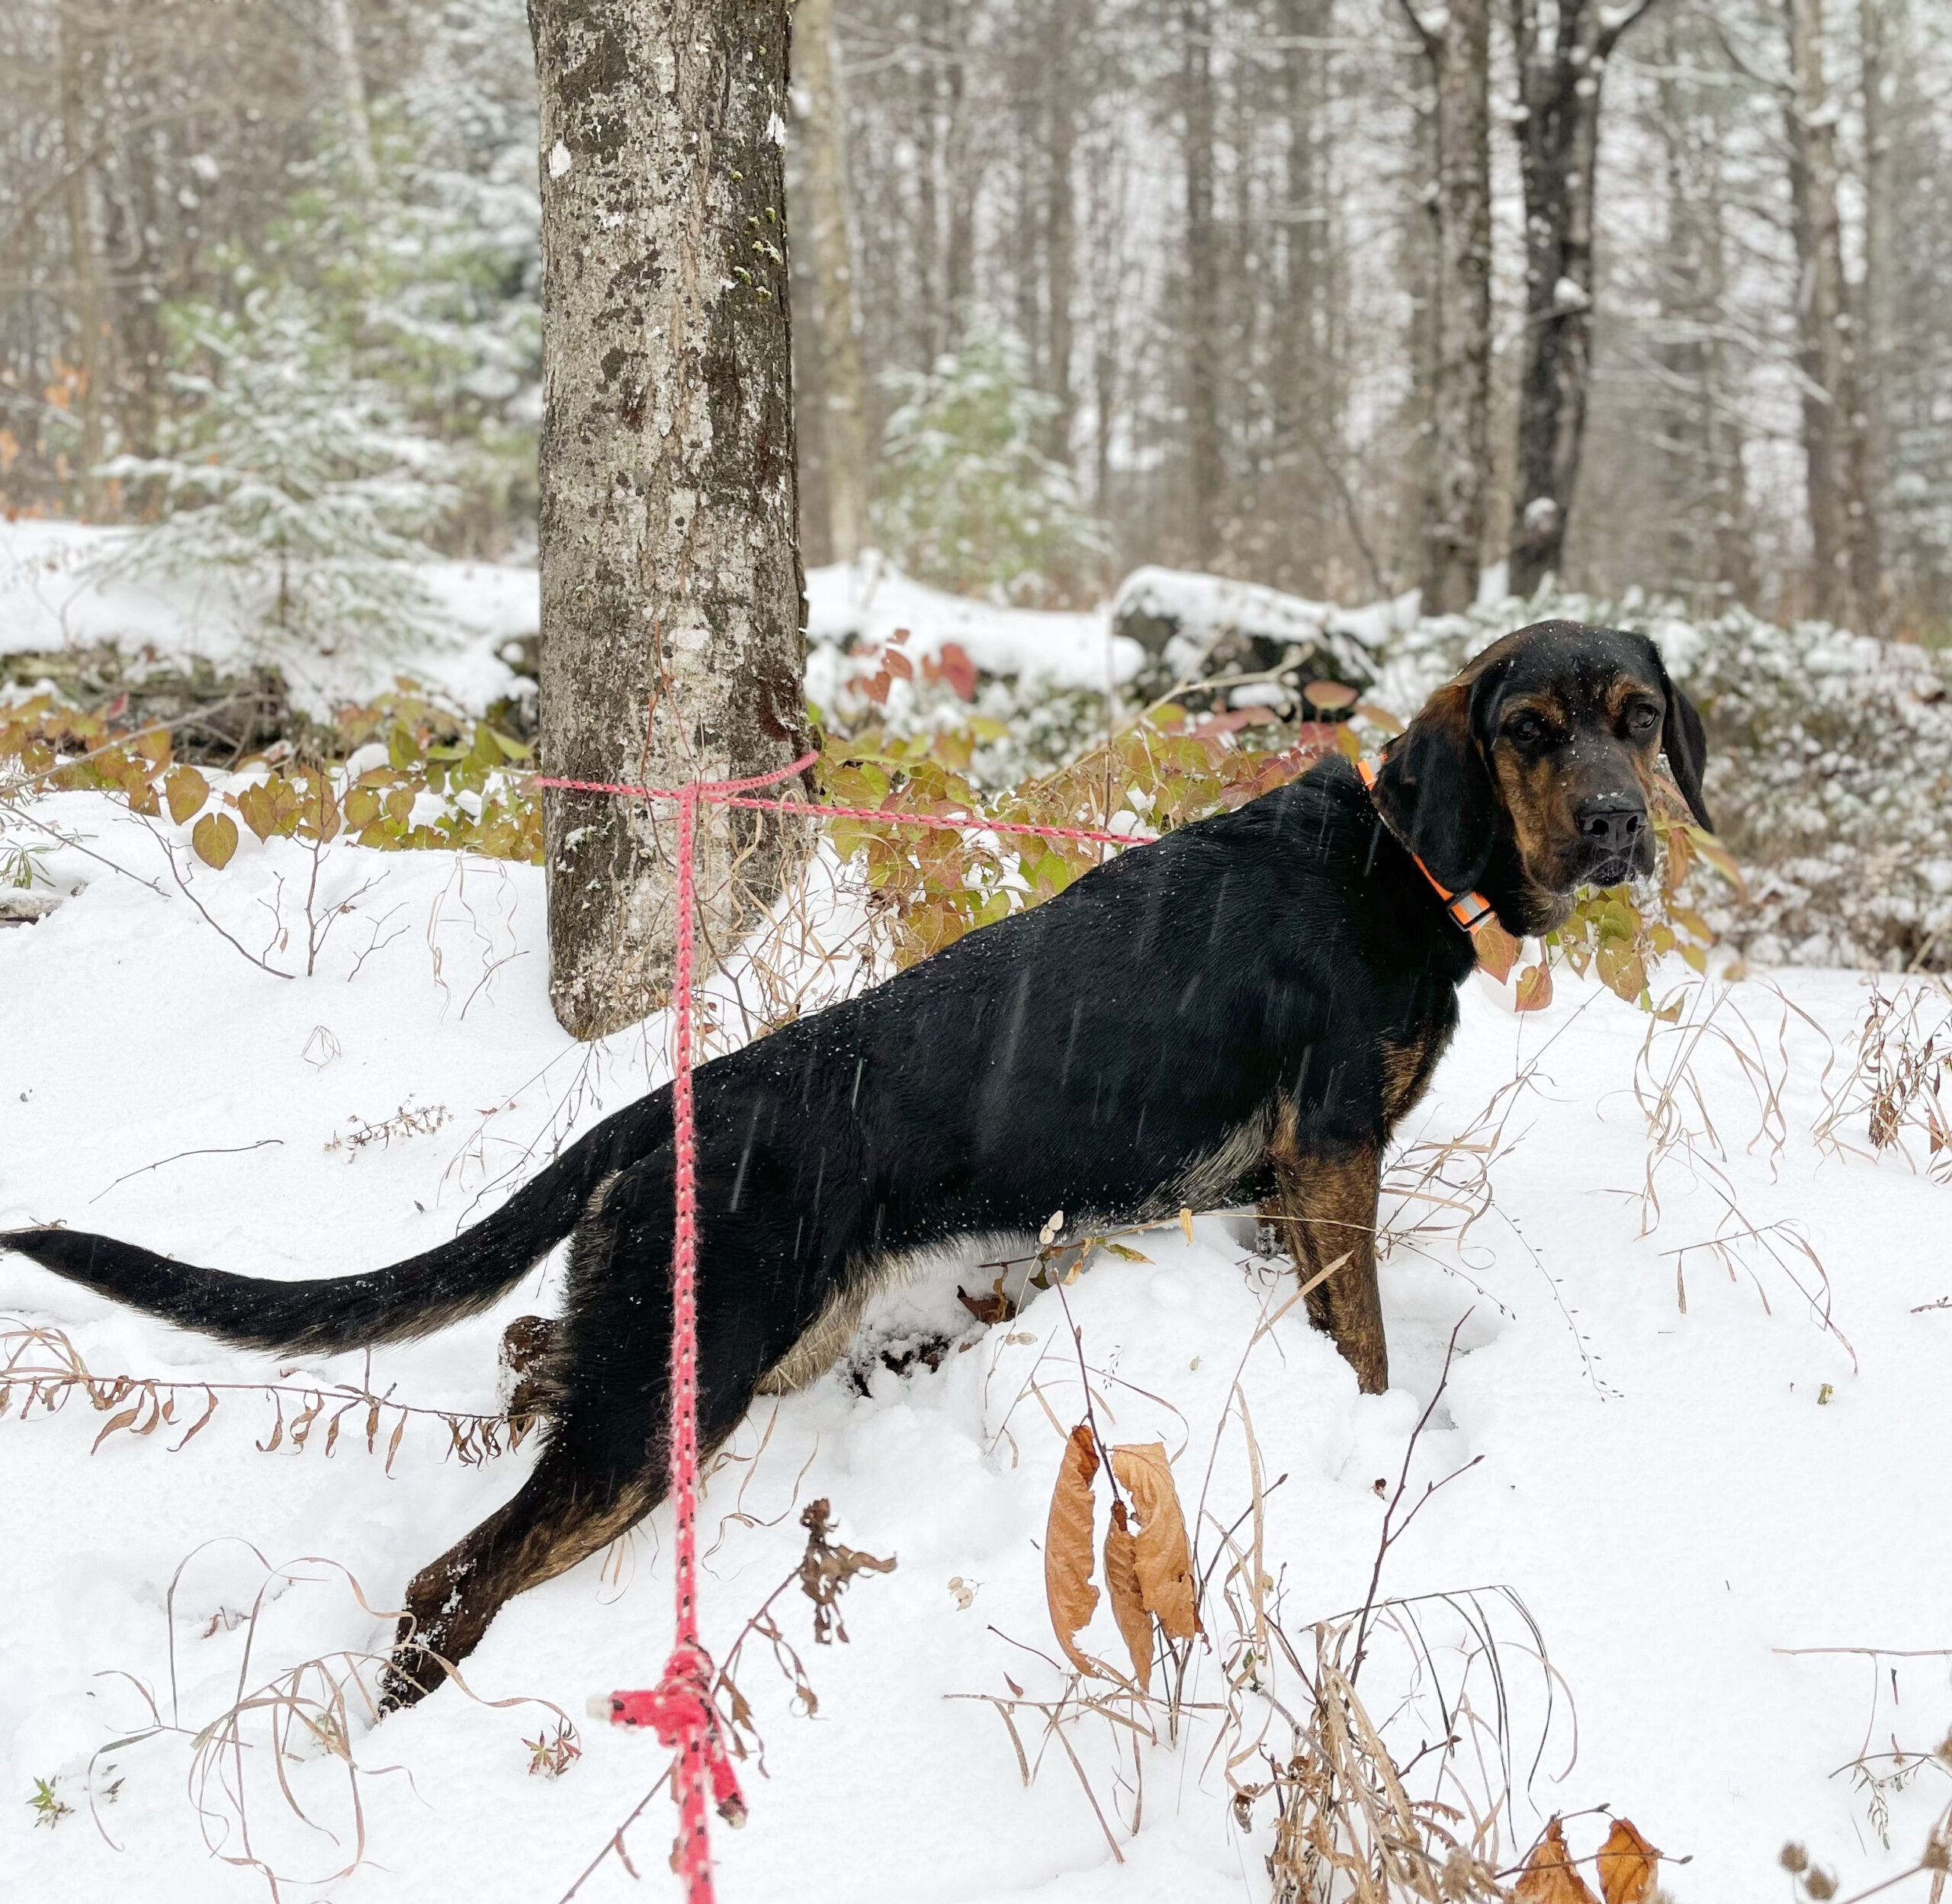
[
  {"x": 1525, "y": 729},
  {"x": 1643, "y": 719}
]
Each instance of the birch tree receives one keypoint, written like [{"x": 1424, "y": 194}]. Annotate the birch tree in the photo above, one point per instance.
[{"x": 671, "y": 645}]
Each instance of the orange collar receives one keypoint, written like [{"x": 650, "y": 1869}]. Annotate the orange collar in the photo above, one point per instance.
[{"x": 1471, "y": 910}]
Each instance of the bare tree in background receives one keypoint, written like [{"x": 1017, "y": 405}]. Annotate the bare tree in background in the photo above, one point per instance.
[
  {"x": 1695, "y": 432},
  {"x": 671, "y": 590},
  {"x": 77, "y": 56},
  {"x": 1843, "y": 522},
  {"x": 352, "y": 93},
  {"x": 1456, "y": 38},
  {"x": 1066, "y": 21},
  {"x": 1562, "y": 58},
  {"x": 1203, "y": 264},
  {"x": 1882, "y": 34},
  {"x": 1244, "y": 322},
  {"x": 844, "y": 411}
]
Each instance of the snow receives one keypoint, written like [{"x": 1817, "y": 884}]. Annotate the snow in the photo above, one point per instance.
[
  {"x": 1201, "y": 606},
  {"x": 863, "y": 603},
  {"x": 1679, "y": 1498},
  {"x": 52, "y": 596}
]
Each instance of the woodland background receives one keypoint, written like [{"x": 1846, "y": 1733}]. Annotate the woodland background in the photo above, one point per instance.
[{"x": 1123, "y": 280}]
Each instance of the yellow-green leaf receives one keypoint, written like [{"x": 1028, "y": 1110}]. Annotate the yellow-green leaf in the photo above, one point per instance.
[
  {"x": 186, "y": 790},
  {"x": 214, "y": 839}
]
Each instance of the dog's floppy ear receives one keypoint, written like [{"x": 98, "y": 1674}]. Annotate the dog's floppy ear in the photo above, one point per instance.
[
  {"x": 1435, "y": 791},
  {"x": 1684, "y": 743}
]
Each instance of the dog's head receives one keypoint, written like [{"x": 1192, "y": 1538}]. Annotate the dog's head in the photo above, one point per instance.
[{"x": 1531, "y": 774}]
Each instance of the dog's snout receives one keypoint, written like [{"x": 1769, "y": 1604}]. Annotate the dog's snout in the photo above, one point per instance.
[{"x": 1611, "y": 826}]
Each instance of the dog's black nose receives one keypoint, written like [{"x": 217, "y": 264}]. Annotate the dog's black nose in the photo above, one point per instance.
[{"x": 1610, "y": 825}]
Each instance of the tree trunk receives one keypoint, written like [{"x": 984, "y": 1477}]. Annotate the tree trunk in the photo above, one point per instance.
[
  {"x": 964, "y": 181},
  {"x": 1707, "y": 534},
  {"x": 1843, "y": 526},
  {"x": 1562, "y": 70},
  {"x": 809, "y": 384},
  {"x": 1060, "y": 216},
  {"x": 92, "y": 365},
  {"x": 1202, "y": 287},
  {"x": 352, "y": 94},
  {"x": 671, "y": 589},
  {"x": 846, "y": 416},
  {"x": 1459, "y": 469},
  {"x": 1882, "y": 35}
]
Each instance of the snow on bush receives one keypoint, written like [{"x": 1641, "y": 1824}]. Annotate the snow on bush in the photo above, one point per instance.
[{"x": 1186, "y": 620}]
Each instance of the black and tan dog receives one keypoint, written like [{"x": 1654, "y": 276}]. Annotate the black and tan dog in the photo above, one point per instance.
[{"x": 1240, "y": 1013}]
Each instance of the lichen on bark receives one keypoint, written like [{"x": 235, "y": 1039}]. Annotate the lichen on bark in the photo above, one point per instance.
[{"x": 672, "y": 595}]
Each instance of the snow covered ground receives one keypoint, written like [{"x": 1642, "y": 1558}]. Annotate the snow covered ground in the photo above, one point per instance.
[
  {"x": 55, "y": 592},
  {"x": 1679, "y": 1497}
]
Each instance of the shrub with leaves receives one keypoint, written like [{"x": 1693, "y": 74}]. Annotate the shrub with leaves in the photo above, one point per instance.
[
  {"x": 931, "y": 887},
  {"x": 442, "y": 780}
]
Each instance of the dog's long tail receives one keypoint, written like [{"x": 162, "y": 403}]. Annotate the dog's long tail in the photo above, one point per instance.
[{"x": 416, "y": 1297}]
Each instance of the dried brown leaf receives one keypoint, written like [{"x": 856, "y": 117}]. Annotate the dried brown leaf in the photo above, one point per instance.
[
  {"x": 113, "y": 1422},
  {"x": 1535, "y": 988},
  {"x": 1161, "y": 1554},
  {"x": 991, "y": 1309},
  {"x": 201, "y": 1422},
  {"x": 1127, "y": 1601},
  {"x": 1628, "y": 1865},
  {"x": 1067, "y": 1587},
  {"x": 1550, "y": 1877}
]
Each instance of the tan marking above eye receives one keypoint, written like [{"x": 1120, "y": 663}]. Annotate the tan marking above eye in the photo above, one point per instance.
[{"x": 1625, "y": 688}]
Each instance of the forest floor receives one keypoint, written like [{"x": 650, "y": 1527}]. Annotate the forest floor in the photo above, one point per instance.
[{"x": 1708, "y": 1479}]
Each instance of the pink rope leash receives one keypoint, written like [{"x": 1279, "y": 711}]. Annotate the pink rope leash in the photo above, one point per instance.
[{"x": 681, "y": 1709}]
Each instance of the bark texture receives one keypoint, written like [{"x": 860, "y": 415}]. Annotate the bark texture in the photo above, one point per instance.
[
  {"x": 1458, "y": 473},
  {"x": 671, "y": 646},
  {"x": 845, "y": 415},
  {"x": 1562, "y": 55}
]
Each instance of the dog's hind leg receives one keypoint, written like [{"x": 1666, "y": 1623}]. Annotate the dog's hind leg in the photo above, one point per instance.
[{"x": 1324, "y": 1206}]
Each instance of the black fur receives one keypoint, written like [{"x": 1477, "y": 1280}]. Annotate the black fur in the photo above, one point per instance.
[{"x": 1245, "y": 976}]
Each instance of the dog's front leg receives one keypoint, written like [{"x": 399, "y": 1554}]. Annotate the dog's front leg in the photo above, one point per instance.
[{"x": 1324, "y": 1207}]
